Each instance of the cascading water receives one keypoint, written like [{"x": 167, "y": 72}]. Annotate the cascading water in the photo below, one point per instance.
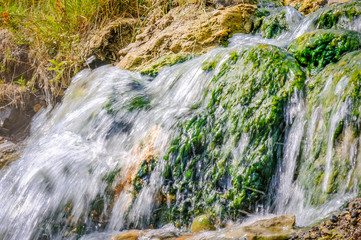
[{"x": 121, "y": 145}]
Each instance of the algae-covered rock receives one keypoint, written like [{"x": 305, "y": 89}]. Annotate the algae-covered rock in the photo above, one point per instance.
[
  {"x": 224, "y": 157},
  {"x": 328, "y": 164},
  {"x": 168, "y": 60},
  {"x": 341, "y": 16},
  {"x": 202, "y": 223},
  {"x": 273, "y": 25},
  {"x": 318, "y": 48}
]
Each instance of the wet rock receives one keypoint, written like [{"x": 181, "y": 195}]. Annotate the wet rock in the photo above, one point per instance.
[
  {"x": 183, "y": 237},
  {"x": 202, "y": 223},
  {"x": 272, "y": 25},
  {"x": 341, "y": 16},
  {"x": 354, "y": 222},
  {"x": 334, "y": 218},
  {"x": 342, "y": 226},
  {"x": 354, "y": 214},
  {"x": 16, "y": 115},
  {"x": 168, "y": 231},
  {"x": 280, "y": 227},
  {"x": 9, "y": 152}
]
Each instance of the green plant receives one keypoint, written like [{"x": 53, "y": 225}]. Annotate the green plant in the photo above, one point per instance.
[{"x": 22, "y": 82}]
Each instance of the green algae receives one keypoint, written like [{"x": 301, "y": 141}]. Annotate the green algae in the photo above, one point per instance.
[
  {"x": 335, "y": 94},
  {"x": 316, "y": 49},
  {"x": 168, "y": 60},
  {"x": 271, "y": 25},
  {"x": 335, "y": 16},
  {"x": 210, "y": 65},
  {"x": 245, "y": 103}
]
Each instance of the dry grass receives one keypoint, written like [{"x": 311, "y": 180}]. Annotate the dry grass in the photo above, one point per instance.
[
  {"x": 55, "y": 37},
  {"x": 11, "y": 94}
]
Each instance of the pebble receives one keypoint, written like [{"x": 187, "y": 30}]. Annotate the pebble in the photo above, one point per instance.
[
  {"x": 354, "y": 221},
  {"x": 354, "y": 214},
  {"x": 334, "y": 218},
  {"x": 344, "y": 213}
]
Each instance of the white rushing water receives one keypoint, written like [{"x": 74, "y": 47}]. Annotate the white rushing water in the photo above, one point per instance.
[{"x": 94, "y": 131}]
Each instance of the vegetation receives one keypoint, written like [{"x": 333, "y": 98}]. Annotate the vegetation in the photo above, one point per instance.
[
  {"x": 337, "y": 16},
  {"x": 271, "y": 25},
  {"x": 318, "y": 48},
  {"x": 247, "y": 99},
  {"x": 56, "y": 35},
  {"x": 334, "y": 94},
  {"x": 168, "y": 60}
]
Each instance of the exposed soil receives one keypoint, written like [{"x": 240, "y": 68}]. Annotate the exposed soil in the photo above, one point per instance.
[
  {"x": 309, "y": 6},
  {"x": 190, "y": 29}
]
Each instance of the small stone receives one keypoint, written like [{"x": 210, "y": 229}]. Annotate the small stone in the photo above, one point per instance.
[
  {"x": 344, "y": 213},
  {"x": 202, "y": 223},
  {"x": 354, "y": 221},
  {"x": 334, "y": 218},
  {"x": 37, "y": 108},
  {"x": 130, "y": 235},
  {"x": 354, "y": 214},
  {"x": 1, "y": 138}
]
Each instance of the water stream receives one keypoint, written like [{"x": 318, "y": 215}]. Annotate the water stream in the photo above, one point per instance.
[{"x": 111, "y": 120}]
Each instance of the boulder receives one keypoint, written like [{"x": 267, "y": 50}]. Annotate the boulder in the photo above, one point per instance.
[
  {"x": 280, "y": 227},
  {"x": 202, "y": 223}
]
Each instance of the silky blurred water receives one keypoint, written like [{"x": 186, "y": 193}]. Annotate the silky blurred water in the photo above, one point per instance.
[{"x": 94, "y": 131}]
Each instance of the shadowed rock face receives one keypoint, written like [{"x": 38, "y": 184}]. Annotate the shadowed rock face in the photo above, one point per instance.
[
  {"x": 15, "y": 120},
  {"x": 9, "y": 152}
]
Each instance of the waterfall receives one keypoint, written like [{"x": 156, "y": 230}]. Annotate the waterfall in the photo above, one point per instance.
[{"x": 122, "y": 147}]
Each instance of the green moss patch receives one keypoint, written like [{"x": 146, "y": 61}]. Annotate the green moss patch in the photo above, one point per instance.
[
  {"x": 335, "y": 16},
  {"x": 245, "y": 111},
  {"x": 316, "y": 49},
  {"x": 168, "y": 60},
  {"x": 271, "y": 25},
  {"x": 335, "y": 94}
]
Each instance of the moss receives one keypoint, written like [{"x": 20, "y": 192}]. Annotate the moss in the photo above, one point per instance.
[
  {"x": 143, "y": 175},
  {"x": 271, "y": 25},
  {"x": 335, "y": 16},
  {"x": 109, "y": 177},
  {"x": 210, "y": 65},
  {"x": 168, "y": 60},
  {"x": 246, "y": 98},
  {"x": 318, "y": 48},
  {"x": 202, "y": 223},
  {"x": 335, "y": 94},
  {"x": 129, "y": 98}
]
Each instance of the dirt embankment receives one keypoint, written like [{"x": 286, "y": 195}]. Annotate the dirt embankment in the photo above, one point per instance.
[
  {"x": 309, "y": 6},
  {"x": 187, "y": 30}
]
